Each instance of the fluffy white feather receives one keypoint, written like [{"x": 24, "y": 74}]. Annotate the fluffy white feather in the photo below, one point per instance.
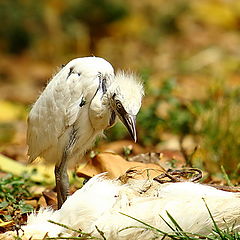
[{"x": 100, "y": 203}]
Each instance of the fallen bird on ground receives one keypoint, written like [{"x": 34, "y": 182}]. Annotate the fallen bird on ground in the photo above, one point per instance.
[
  {"x": 118, "y": 210},
  {"x": 79, "y": 103}
]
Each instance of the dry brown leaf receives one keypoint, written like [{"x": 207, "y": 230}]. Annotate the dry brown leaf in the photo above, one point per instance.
[
  {"x": 32, "y": 202},
  {"x": 51, "y": 198},
  {"x": 115, "y": 165}
]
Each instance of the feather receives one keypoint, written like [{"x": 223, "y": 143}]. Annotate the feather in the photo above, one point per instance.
[{"x": 101, "y": 201}]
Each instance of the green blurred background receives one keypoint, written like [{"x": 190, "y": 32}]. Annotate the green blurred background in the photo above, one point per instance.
[{"x": 186, "y": 51}]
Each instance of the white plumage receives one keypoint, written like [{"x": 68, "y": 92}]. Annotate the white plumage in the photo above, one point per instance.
[
  {"x": 57, "y": 109},
  {"x": 100, "y": 203},
  {"x": 78, "y": 104}
]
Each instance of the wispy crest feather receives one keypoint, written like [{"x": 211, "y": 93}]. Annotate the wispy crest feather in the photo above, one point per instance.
[{"x": 127, "y": 80}]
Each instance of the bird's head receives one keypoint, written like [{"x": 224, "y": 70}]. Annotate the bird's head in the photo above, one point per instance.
[{"x": 125, "y": 95}]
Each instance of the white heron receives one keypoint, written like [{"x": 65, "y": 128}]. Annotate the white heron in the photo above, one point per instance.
[
  {"x": 80, "y": 101},
  {"x": 118, "y": 210}
]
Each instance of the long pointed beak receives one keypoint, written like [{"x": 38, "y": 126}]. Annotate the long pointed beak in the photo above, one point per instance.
[{"x": 130, "y": 122}]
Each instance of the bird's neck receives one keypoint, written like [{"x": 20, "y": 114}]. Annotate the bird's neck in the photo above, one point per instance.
[{"x": 100, "y": 111}]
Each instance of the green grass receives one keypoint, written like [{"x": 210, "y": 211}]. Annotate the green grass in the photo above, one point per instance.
[{"x": 13, "y": 191}]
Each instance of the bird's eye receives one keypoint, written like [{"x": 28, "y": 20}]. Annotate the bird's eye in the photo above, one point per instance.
[
  {"x": 118, "y": 104},
  {"x": 114, "y": 95},
  {"x": 79, "y": 74}
]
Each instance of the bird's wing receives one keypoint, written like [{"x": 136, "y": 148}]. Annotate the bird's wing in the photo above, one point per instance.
[
  {"x": 73, "y": 111},
  {"x": 55, "y": 111}
]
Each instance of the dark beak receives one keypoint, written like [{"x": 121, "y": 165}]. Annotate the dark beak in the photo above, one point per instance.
[{"x": 130, "y": 122}]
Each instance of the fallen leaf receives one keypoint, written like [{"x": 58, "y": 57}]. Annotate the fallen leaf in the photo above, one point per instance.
[
  {"x": 6, "y": 224},
  {"x": 42, "y": 202},
  {"x": 32, "y": 202},
  {"x": 41, "y": 172},
  {"x": 115, "y": 165},
  {"x": 51, "y": 198}
]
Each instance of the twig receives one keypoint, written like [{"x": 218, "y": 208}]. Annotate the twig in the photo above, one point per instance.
[{"x": 175, "y": 175}]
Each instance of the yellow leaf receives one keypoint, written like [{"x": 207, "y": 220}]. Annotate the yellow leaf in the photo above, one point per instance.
[
  {"x": 43, "y": 173},
  {"x": 5, "y": 224},
  {"x": 10, "y": 111}
]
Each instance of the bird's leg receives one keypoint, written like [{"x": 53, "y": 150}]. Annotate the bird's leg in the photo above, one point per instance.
[
  {"x": 61, "y": 176},
  {"x": 62, "y": 181}
]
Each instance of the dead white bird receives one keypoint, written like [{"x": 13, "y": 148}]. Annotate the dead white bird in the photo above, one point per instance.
[
  {"x": 99, "y": 204},
  {"x": 80, "y": 101}
]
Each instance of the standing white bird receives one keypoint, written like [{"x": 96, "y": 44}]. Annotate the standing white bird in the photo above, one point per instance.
[
  {"x": 78, "y": 104},
  {"x": 101, "y": 203}
]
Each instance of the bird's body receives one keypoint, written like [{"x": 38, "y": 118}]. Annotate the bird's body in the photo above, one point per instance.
[
  {"x": 78, "y": 104},
  {"x": 100, "y": 203},
  {"x": 57, "y": 111}
]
